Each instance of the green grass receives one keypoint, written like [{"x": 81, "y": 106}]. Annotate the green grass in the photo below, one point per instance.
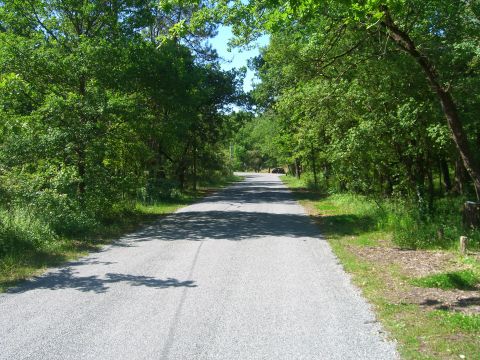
[
  {"x": 159, "y": 208},
  {"x": 349, "y": 222},
  {"x": 455, "y": 321},
  {"x": 463, "y": 280},
  {"x": 293, "y": 182}
]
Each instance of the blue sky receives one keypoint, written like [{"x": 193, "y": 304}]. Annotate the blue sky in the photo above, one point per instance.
[{"x": 236, "y": 58}]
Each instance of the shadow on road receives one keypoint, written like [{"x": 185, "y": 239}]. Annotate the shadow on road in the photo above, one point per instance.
[
  {"x": 225, "y": 225},
  {"x": 232, "y": 224},
  {"x": 66, "y": 279}
]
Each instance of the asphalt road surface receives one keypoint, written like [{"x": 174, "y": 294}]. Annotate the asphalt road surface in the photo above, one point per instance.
[{"x": 243, "y": 274}]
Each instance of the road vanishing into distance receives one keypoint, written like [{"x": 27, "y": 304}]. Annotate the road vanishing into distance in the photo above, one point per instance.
[{"x": 244, "y": 274}]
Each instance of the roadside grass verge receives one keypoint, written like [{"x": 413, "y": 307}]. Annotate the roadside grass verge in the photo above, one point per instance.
[
  {"x": 426, "y": 299},
  {"x": 463, "y": 280},
  {"x": 29, "y": 246}
]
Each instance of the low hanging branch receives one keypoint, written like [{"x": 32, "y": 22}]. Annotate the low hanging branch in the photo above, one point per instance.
[{"x": 403, "y": 40}]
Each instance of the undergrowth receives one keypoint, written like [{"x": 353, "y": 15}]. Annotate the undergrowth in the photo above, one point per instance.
[{"x": 411, "y": 227}]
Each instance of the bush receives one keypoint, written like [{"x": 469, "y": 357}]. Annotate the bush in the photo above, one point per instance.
[
  {"x": 63, "y": 214},
  {"x": 158, "y": 190}
]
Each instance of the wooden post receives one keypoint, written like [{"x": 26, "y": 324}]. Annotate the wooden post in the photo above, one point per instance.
[{"x": 463, "y": 244}]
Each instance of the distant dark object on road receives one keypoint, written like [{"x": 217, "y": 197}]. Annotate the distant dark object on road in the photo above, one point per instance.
[{"x": 278, "y": 171}]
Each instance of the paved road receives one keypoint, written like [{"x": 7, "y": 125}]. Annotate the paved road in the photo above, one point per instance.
[{"x": 241, "y": 275}]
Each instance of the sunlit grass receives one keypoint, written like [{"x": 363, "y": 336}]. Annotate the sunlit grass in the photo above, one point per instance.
[{"x": 158, "y": 208}]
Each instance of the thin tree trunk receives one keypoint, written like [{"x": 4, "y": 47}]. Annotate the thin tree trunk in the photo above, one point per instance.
[
  {"x": 459, "y": 186},
  {"x": 182, "y": 166},
  {"x": 297, "y": 168},
  {"x": 447, "y": 182},
  {"x": 194, "y": 168},
  {"x": 314, "y": 168},
  {"x": 389, "y": 188},
  {"x": 326, "y": 175},
  {"x": 403, "y": 40}
]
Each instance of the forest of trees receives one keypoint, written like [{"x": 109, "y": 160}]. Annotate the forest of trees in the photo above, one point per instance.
[{"x": 103, "y": 103}]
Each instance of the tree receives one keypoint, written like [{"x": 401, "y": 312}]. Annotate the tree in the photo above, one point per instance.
[
  {"x": 93, "y": 111},
  {"x": 449, "y": 26}
]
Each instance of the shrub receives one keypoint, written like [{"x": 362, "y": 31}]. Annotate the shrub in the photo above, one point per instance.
[{"x": 63, "y": 214}]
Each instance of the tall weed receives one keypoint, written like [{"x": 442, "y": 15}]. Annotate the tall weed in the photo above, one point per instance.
[{"x": 20, "y": 231}]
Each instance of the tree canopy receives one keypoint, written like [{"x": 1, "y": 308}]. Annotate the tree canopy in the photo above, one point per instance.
[{"x": 381, "y": 93}]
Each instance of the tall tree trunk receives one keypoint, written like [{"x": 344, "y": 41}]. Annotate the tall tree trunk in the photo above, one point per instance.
[
  {"x": 182, "y": 166},
  {"x": 326, "y": 175},
  {"x": 297, "y": 169},
  {"x": 447, "y": 182},
  {"x": 459, "y": 186},
  {"x": 389, "y": 187},
  {"x": 403, "y": 40}
]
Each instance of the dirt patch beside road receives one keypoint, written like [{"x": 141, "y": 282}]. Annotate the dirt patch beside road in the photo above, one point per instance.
[{"x": 420, "y": 263}]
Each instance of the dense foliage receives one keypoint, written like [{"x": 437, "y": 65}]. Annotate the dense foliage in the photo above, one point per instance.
[{"x": 102, "y": 105}]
